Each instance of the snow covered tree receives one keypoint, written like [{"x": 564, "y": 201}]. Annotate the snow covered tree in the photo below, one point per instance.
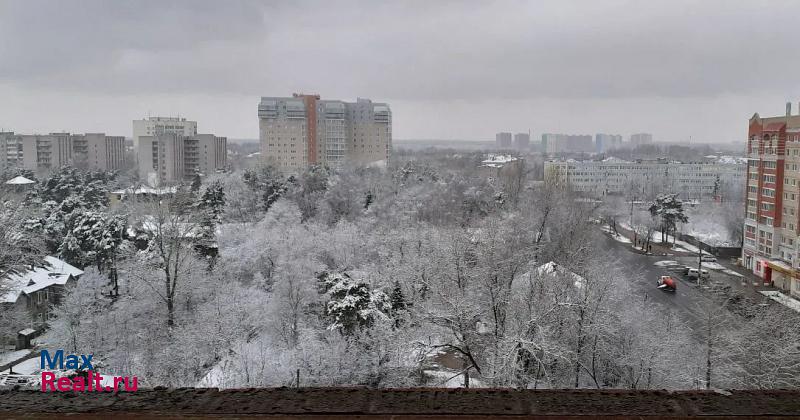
[
  {"x": 266, "y": 181},
  {"x": 352, "y": 305},
  {"x": 210, "y": 207},
  {"x": 670, "y": 210}
]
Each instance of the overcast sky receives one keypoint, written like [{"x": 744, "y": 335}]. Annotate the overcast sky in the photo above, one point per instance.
[{"x": 449, "y": 69}]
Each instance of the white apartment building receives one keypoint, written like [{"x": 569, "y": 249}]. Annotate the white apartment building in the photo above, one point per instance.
[
  {"x": 153, "y": 126},
  {"x": 303, "y": 130},
  {"x": 170, "y": 158},
  {"x": 646, "y": 179}
]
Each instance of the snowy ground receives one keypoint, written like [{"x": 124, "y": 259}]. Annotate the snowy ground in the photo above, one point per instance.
[
  {"x": 9, "y": 357},
  {"x": 451, "y": 379},
  {"x": 784, "y": 300},
  {"x": 28, "y": 367},
  {"x": 615, "y": 236}
]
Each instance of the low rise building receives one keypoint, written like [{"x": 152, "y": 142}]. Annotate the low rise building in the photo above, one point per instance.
[
  {"x": 38, "y": 289},
  {"x": 644, "y": 179}
]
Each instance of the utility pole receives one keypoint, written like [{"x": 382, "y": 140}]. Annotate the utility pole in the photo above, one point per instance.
[{"x": 699, "y": 262}]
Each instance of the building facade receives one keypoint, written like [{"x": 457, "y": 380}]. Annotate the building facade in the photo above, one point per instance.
[
  {"x": 44, "y": 152},
  {"x": 503, "y": 140},
  {"x": 567, "y": 143},
  {"x": 606, "y": 142},
  {"x": 522, "y": 141},
  {"x": 643, "y": 180},
  {"x": 153, "y": 126},
  {"x": 772, "y": 215},
  {"x": 641, "y": 138},
  {"x": 304, "y": 130},
  {"x": 169, "y": 158}
]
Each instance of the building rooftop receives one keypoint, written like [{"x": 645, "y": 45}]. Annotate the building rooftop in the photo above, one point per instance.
[
  {"x": 55, "y": 272},
  {"x": 413, "y": 403}
]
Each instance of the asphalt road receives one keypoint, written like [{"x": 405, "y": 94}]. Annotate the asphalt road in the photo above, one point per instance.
[{"x": 686, "y": 303}]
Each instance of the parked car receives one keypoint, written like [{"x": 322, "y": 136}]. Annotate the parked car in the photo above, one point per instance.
[
  {"x": 693, "y": 274},
  {"x": 708, "y": 258}
]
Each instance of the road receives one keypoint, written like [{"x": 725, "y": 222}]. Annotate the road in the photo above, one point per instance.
[{"x": 685, "y": 303}]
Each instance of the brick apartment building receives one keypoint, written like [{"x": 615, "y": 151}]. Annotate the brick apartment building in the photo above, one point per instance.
[{"x": 772, "y": 218}]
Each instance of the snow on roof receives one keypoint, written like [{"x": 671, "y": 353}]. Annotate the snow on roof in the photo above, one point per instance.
[
  {"x": 727, "y": 160},
  {"x": 57, "y": 272},
  {"x": 551, "y": 268},
  {"x": 497, "y": 161},
  {"x": 147, "y": 190},
  {"x": 20, "y": 180},
  {"x": 613, "y": 159}
]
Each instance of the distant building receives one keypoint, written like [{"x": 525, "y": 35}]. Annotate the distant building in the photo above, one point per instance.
[
  {"x": 772, "y": 218},
  {"x": 153, "y": 126},
  {"x": 606, "y": 142},
  {"x": 644, "y": 179},
  {"x": 496, "y": 164},
  {"x": 44, "y": 152},
  {"x": 567, "y": 143},
  {"x": 522, "y": 141},
  {"x": 304, "y": 130},
  {"x": 503, "y": 140},
  {"x": 641, "y": 138},
  {"x": 170, "y": 158}
]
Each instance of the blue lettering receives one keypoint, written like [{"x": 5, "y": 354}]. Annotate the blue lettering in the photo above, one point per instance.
[
  {"x": 87, "y": 362},
  {"x": 72, "y": 362},
  {"x": 56, "y": 361}
]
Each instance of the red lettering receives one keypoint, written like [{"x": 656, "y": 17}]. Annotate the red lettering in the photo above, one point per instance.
[
  {"x": 64, "y": 384},
  {"x": 135, "y": 384},
  {"x": 78, "y": 384},
  {"x": 48, "y": 378},
  {"x": 98, "y": 386},
  {"x": 117, "y": 381}
]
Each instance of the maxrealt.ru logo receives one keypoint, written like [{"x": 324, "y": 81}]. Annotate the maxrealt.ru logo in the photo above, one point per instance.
[{"x": 82, "y": 363}]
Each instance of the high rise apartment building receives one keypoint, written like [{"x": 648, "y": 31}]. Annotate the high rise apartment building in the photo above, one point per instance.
[
  {"x": 606, "y": 142},
  {"x": 169, "y": 158},
  {"x": 305, "y": 130},
  {"x": 503, "y": 140},
  {"x": 641, "y": 138},
  {"x": 43, "y": 152},
  {"x": 567, "y": 143},
  {"x": 153, "y": 126},
  {"x": 772, "y": 217},
  {"x": 522, "y": 141}
]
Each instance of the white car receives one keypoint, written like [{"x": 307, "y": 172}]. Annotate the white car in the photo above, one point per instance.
[
  {"x": 692, "y": 274},
  {"x": 708, "y": 258}
]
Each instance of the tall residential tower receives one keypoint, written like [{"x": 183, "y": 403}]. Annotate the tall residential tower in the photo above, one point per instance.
[
  {"x": 772, "y": 218},
  {"x": 305, "y": 130}
]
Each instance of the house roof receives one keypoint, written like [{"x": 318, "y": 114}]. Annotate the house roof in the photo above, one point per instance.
[
  {"x": 20, "y": 180},
  {"x": 55, "y": 272}
]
